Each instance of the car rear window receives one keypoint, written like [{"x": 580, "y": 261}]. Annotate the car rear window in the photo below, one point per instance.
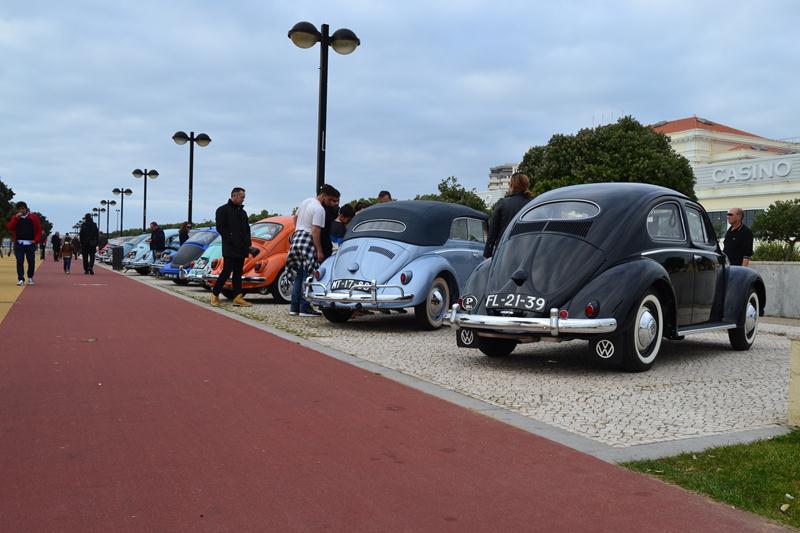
[
  {"x": 265, "y": 230},
  {"x": 664, "y": 223},
  {"x": 565, "y": 210},
  {"x": 392, "y": 226},
  {"x": 203, "y": 237}
]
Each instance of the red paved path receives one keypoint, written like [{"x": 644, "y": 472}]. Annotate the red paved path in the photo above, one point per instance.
[{"x": 179, "y": 419}]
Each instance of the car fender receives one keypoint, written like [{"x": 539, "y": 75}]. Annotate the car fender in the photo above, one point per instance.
[
  {"x": 476, "y": 284},
  {"x": 737, "y": 282},
  {"x": 424, "y": 270},
  {"x": 618, "y": 289}
]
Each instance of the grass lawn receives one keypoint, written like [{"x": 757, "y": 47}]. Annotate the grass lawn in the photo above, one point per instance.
[{"x": 760, "y": 477}]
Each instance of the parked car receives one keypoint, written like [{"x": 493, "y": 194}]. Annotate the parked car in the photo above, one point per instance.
[
  {"x": 191, "y": 250},
  {"x": 194, "y": 272},
  {"x": 621, "y": 265},
  {"x": 401, "y": 254},
  {"x": 144, "y": 261},
  {"x": 104, "y": 254}
]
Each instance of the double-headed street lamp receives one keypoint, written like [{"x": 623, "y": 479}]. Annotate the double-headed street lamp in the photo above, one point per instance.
[
  {"x": 152, "y": 174},
  {"x": 107, "y": 204},
  {"x": 122, "y": 192},
  {"x": 96, "y": 213},
  {"x": 343, "y": 41},
  {"x": 202, "y": 140}
]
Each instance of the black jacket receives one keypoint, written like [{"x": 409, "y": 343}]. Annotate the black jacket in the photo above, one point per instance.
[
  {"x": 157, "y": 240},
  {"x": 183, "y": 236},
  {"x": 89, "y": 235},
  {"x": 231, "y": 220},
  {"x": 325, "y": 235},
  {"x": 504, "y": 211}
]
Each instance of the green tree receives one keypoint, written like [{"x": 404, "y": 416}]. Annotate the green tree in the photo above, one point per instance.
[
  {"x": 625, "y": 151},
  {"x": 6, "y": 208},
  {"x": 452, "y": 192},
  {"x": 780, "y": 223},
  {"x": 47, "y": 226},
  {"x": 255, "y": 217}
]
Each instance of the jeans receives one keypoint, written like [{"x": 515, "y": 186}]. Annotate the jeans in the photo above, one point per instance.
[
  {"x": 299, "y": 304},
  {"x": 231, "y": 268},
  {"x": 88, "y": 259},
  {"x": 67, "y": 262},
  {"x": 22, "y": 252}
]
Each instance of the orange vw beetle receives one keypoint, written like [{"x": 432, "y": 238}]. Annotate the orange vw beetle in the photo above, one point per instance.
[{"x": 264, "y": 273}]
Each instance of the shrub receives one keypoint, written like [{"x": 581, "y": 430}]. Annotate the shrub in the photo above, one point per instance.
[{"x": 774, "y": 251}]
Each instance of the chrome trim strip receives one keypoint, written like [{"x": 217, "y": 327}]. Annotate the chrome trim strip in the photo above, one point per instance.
[
  {"x": 550, "y": 326},
  {"x": 684, "y": 250},
  {"x": 349, "y": 297},
  {"x": 706, "y": 330}
]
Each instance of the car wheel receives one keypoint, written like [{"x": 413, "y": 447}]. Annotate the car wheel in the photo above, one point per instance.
[
  {"x": 742, "y": 338},
  {"x": 430, "y": 313},
  {"x": 337, "y": 315},
  {"x": 178, "y": 281},
  {"x": 496, "y": 347},
  {"x": 143, "y": 271},
  {"x": 207, "y": 287},
  {"x": 282, "y": 288},
  {"x": 641, "y": 342}
]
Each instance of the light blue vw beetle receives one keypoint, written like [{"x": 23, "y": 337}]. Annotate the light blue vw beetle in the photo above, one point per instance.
[{"x": 401, "y": 254}]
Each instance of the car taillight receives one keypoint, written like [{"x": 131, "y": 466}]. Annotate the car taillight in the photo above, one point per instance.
[
  {"x": 591, "y": 309},
  {"x": 563, "y": 314},
  {"x": 259, "y": 266},
  {"x": 215, "y": 263},
  {"x": 317, "y": 275},
  {"x": 190, "y": 265},
  {"x": 460, "y": 300},
  {"x": 405, "y": 277}
]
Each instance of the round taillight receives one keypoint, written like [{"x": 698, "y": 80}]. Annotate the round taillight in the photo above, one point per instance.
[
  {"x": 461, "y": 302},
  {"x": 215, "y": 263},
  {"x": 590, "y": 309},
  {"x": 191, "y": 265},
  {"x": 317, "y": 275},
  {"x": 405, "y": 277},
  {"x": 563, "y": 314}
]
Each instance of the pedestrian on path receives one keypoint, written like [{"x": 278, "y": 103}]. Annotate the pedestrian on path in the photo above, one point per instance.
[
  {"x": 305, "y": 252},
  {"x": 43, "y": 247},
  {"x": 738, "y": 243},
  {"x": 233, "y": 227},
  {"x": 89, "y": 236},
  {"x": 56, "y": 242},
  {"x": 158, "y": 241},
  {"x": 67, "y": 253},
  {"x": 505, "y": 209},
  {"x": 183, "y": 233},
  {"x": 26, "y": 232}
]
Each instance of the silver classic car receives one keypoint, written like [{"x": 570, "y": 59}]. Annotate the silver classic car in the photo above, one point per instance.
[{"x": 401, "y": 254}]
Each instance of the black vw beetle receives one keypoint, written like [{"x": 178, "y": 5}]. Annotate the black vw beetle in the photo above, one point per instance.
[{"x": 621, "y": 265}]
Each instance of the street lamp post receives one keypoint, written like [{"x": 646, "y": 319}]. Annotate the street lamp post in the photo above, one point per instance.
[
  {"x": 343, "y": 41},
  {"x": 122, "y": 192},
  {"x": 152, "y": 174},
  {"x": 96, "y": 212},
  {"x": 116, "y": 224},
  {"x": 202, "y": 140},
  {"x": 107, "y": 204}
]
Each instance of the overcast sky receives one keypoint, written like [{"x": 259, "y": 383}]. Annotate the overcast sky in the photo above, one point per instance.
[{"x": 90, "y": 90}]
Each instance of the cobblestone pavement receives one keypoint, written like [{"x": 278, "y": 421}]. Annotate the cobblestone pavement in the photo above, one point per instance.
[{"x": 699, "y": 386}]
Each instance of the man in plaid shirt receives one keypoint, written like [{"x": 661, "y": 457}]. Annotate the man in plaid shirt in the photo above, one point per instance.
[{"x": 305, "y": 253}]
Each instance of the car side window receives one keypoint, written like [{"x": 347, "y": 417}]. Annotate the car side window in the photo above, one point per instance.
[
  {"x": 696, "y": 228},
  {"x": 459, "y": 229},
  {"x": 664, "y": 223},
  {"x": 476, "y": 229}
]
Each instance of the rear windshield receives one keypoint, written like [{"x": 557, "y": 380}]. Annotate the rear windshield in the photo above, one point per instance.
[
  {"x": 203, "y": 237},
  {"x": 392, "y": 226},
  {"x": 265, "y": 230},
  {"x": 140, "y": 238},
  {"x": 566, "y": 210}
]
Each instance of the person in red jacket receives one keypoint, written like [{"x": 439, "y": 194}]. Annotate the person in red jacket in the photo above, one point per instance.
[{"x": 26, "y": 230}]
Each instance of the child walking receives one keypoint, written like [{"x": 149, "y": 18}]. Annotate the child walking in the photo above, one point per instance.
[{"x": 67, "y": 252}]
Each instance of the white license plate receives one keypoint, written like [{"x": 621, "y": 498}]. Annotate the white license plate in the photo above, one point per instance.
[
  {"x": 347, "y": 284},
  {"x": 515, "y": 301}
]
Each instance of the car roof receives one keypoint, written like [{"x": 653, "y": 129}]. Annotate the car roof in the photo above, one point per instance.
[
  {"x": 427, "y": 222},
  {"x": 625, "y": 193}
]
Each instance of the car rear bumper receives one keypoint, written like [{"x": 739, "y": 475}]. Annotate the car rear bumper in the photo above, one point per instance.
[
  {"x": 362, "y": 297},
  {"x": 543, "y": 326}
]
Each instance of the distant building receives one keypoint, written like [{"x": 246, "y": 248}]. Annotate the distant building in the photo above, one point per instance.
[{"x": 499, "y": 179}]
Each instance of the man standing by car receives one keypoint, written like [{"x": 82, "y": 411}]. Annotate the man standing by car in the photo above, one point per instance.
[
  {"x": 505, "y": 209},
  {"x": 158, "y": 242},
  {"x": 90, "y": 236},
  {"x": 26, "y": 230},
  {"x": 738, "y": 245},
  {"x": 306, "y": 252},
  {"x": 233, "y": 227}
]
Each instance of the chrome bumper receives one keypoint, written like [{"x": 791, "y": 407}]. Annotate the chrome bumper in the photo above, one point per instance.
[
  {"x": 253, "y": 279},
  {"x": 545, "y": 326},
  {"x": 352, "y": 296}
]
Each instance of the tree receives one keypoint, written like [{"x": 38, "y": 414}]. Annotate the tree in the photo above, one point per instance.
[
  {"x": 780, "y": 223},
  {"x": 625, "y": 151},
  {"x": 452, "y": 192},
  {"x": 47, "y": 226},
  {"x": 255, "y": 217}
]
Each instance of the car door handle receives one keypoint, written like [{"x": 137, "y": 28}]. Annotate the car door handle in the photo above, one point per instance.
[{"x": 697, "y": 257}]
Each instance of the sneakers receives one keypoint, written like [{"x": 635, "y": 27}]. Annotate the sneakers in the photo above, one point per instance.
[
  {"x": 239, "y": 301},
  {"x": 310, "y": 313},
  {"x": 214, "y": 300},
  {"x": 22, "y": 282},
  {"x": 293, "y": 313},
  {"x": 30, "y": 281}
]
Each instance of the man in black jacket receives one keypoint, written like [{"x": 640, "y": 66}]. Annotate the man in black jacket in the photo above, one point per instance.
[
  {"x": 232, "y": 225},
  {"x": 158, "y": 242},
  {"x": 89, "y": 236},
  {"x": 505, "y": 209}
]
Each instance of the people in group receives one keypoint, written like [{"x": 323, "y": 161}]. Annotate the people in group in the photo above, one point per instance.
[
  {"x": 89, "y": 235},
  {"x": 234, "y": 228},
  {"x": 305, "y": 252},
  {"x": 67, "y": 252},
  {"x": 738, "y": 243},
  {"x": 183, "y": 233},
  {"x": 384, "y": 196},
  {"x": 43, "y": 248},
  {"x": 505, "y": 209},
  {"x": 56, "y": 242},
  {"x": 331, "y": 213},
  {"x": 76, "y": 245},
  {"x": 339, "y": 226},
  {"x": 26, "y": 233},
  {"x": 158, "y": 241}
]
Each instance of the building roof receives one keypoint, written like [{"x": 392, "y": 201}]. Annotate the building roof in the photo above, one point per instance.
[{"x": 695, "y": 122}]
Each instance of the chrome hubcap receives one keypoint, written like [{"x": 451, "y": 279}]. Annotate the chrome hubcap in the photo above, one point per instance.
[
  {"x": 436, "y": 302},
  {"x": 285, "y": 287},
  {"x": 647, "y": 330},
  {"x": 751, "y": 318}
]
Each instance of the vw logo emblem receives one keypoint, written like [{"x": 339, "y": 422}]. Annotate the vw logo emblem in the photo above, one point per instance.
[
  {"x": 467, "y": 336},
  {"x": 604, "y": 348},
  {"x": 470, "y": 302}
]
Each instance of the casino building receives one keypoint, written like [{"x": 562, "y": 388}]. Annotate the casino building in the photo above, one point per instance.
[{"x": 732, "y": 168}]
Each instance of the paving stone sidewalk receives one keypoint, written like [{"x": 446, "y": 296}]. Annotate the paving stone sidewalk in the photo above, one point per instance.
[{"x": 699, "y": 386}]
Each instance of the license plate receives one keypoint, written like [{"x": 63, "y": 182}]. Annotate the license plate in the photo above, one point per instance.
[
  {"x": 347, "y": 284},
  {"x": 515, "y": 301}
]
